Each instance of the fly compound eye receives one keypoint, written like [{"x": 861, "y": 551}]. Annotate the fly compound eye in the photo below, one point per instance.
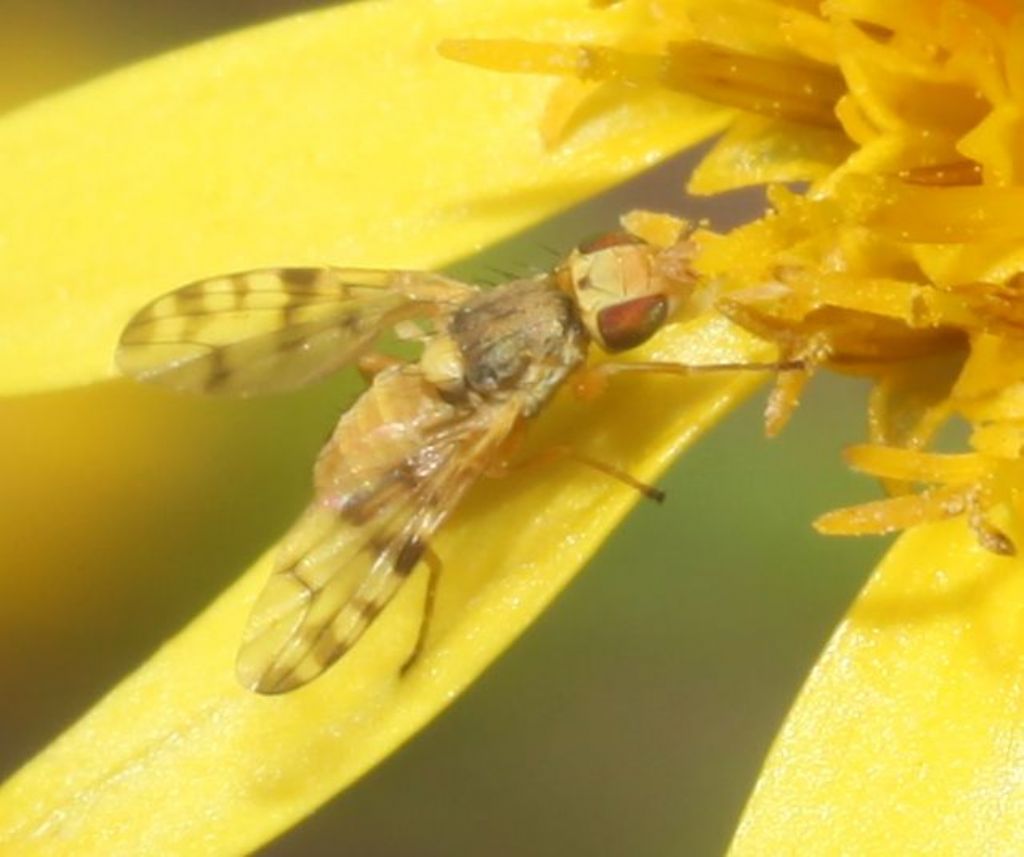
[
  {"x": 622, "y": 299},
  {"x": 631, "y": 323}
]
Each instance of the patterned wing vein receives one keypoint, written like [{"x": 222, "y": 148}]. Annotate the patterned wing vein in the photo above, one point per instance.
[
  {"x": 367, "y": 530},
  {"x": 273, "y": 330}
]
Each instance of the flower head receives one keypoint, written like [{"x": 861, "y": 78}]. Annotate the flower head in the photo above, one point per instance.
[{"x": 898, "y": 258}]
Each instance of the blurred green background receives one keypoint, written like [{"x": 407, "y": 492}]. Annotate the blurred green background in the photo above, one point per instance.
[{"x": 631, "y": 719}]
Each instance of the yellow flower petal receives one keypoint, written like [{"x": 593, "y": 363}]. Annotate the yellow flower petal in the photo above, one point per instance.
[
  {"x": 335, "y": 137},
  {"x": 756, "y": 150},
  {"x": 908, "y": 737},
  {"x": 339, "y": 137}
]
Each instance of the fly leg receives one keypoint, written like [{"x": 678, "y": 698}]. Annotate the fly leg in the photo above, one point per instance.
[
  {"x": 590, "y": 382},
  {"x": 793, "y": 374},
  {"x": 434, "y": 566},
  {"x": 562, "y": 452}
]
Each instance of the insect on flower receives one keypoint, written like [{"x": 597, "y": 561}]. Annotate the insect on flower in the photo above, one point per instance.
[{"x": 403, "y": 456}]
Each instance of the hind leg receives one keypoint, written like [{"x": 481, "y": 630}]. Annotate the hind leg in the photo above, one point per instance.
[{"x": 434, "y": 566}]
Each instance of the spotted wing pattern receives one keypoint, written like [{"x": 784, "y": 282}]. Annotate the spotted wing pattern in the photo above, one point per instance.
[
  {"x": 275, "y": 329},
  {"x": 399, "y": 462}
]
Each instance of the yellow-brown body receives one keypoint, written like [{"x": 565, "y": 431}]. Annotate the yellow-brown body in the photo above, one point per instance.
[{"x": 404, "y": 455}]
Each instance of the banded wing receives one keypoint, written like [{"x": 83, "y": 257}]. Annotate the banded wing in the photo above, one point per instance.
[
  {"x": 273, "y": 330},
  {"x": 399, "y": 462}
]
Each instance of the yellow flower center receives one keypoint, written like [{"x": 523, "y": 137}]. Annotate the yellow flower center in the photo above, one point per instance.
[{"x": 902, "y": 259}]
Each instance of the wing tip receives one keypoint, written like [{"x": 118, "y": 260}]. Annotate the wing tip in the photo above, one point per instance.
[{"x": 262, "y": 681}]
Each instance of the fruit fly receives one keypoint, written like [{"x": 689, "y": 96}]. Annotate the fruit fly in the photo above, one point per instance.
[{"x": 403, "y": 456}]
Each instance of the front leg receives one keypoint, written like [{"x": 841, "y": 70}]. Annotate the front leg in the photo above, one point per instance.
[{"x": 591, "y": 381}]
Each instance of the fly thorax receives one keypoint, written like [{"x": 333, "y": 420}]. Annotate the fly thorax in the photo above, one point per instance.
[{"x": 521, "y": 338}]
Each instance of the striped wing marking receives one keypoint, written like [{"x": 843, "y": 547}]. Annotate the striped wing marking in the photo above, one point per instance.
[
  {"x": 273, "y": 330},
  {"x": 351, "y": 550}
]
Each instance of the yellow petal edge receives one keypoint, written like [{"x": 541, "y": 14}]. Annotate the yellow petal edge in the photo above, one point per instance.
[
  {"x": 330, "y": 137},
  {"x": 909, "y": 736}
]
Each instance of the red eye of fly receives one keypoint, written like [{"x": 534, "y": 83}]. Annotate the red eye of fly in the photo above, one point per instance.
[{"x": 631, "y": 323}]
